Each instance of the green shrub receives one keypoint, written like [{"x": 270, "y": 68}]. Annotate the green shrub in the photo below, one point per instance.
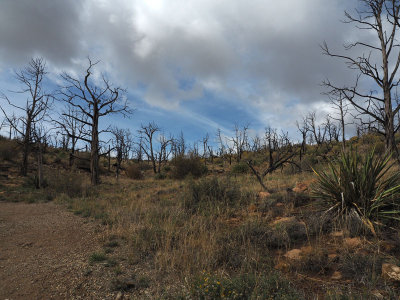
[
  {"x": 69, "y": 183},
  {"x": 8, "y": 150},
  {"x": 160, "y": 176},
  {"x": 240, "y": 168},
  {"x": 361, "y": 186},
  {"x": 211, "y": 192},
  {"x": 82, "y": 161},
  {"x": 97, "y": 257},
  {"x": 183, "y": 166},
  {"x": 134, "y": 172},
  {"x": 243, "y": 286}
]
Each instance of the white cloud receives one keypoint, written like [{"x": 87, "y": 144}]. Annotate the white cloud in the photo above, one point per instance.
[{"x": 264, "y": 53}]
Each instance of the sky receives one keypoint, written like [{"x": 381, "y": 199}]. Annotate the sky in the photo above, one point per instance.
[{"x": 189, "y": 65}]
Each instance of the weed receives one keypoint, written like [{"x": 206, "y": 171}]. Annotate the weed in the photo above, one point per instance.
[
  {"x": 133, "y": 172},
  {"x": 211, "y": 193},
  {"x": 183, "y": 166},
  {"x": 243, "y": 286},
  {"x": 240, "y": 168},
  {"x": 96, "y": 257}
]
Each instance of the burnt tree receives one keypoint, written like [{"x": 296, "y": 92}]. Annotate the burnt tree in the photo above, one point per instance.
[
  {"x": 378, "y": 62},
  {"x": 95, "y": 101},
  {"x": 31, "y": 79}
]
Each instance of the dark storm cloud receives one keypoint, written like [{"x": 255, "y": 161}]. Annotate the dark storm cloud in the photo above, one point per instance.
[
  {"x": 46, "y": 27},
  {"x": 263, "y": 53}
]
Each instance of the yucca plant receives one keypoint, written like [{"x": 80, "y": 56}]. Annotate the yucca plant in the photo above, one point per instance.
[{"x": 361, "y": 186}]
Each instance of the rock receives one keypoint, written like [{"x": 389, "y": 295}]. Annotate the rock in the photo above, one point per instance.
[
  {"x": 263, "y": 195},
  {"x": 332, "y": 256},
  {"x": 377, "y": 294},
  {"x": 338, "y": 233},
  {"x": 282, "y": 266},
  {"x": 283, "y": 220},
  {"x": 119, "y": 296},
  {"x": 352, "y": 242},
  {"x": 294, "y": 254},
  {"x": 391, "y": 272},
  {"x": 306, "y": 250},
  {"x": 252, "y": 208},
  {"x": 336, "y": 275},
  {"x": 300, "y": 188}
]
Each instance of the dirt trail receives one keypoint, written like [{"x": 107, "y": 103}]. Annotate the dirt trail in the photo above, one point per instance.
[{"x": 44, "y": 253}]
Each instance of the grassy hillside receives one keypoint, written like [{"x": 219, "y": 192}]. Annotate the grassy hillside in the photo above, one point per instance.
[{"x": 216, "y": 234}]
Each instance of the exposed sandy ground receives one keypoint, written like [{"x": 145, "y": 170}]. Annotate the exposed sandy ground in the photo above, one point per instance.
[{"x": 44, "y": 253}]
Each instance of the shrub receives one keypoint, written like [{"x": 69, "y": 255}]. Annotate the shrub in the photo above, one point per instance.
[
  {"x": 8, "y": 150},
  {"x": 211, "y": 193},
  {"x": 360, "y": 267},
  {"x": 183, "y": 166},
  {"x": 243, "y": 286},
  {"x": 83, "y": 161},
  {"x": 69, "y": 183},
  {"x": 97, "y": 257},
  {"x": 361, "y": 187},
  {"x": 134, "y": 172},
  {"x": 240, "y": 168},
  {"x": 160, "y": 176}
]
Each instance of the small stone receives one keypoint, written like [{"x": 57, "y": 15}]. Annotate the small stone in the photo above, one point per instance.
[
  {"x": 352, "y": 242},
  {"x": 332, "y": 256},
  {"x": 300, "y": 188},
  {"x": 337, "y": 234},
  {"x": 377, "y": 294},
  {"x": 282, "y": 266},
  {"x": 252, "y": 208},
  {"x": 391, "y": 272},
  {"x": 336, "y": 275},
  {"x": 294, "y": 254},
  {"x": 119, "y": 296},
  {"x": 263, "y": 195},
  {"x": 283, "y": 220}
]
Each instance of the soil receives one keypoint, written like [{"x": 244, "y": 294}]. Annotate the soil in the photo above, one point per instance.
[{"x": 44, "y": 254}]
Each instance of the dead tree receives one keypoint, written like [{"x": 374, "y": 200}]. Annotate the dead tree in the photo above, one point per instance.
[
  {"x": 94, "y": 101},
  {"x": 318, "y": 131},
  {"x": 280, "y": 152},
  {"x": 256, "y": 144},
  {"x": 340, "y": 104},
  {"x": 121, "y": 143},
  {"x": 72, "y": 124},
  {"x": 138, "y": 149},
  {"x": 379, "y": 63},
  {"x": 240, "y": 140},
  {"x": 39, "y": 135},
  {"x": 303, "y": 129},
  {"x": 205, "y": 148},
  {"x": 147, "y": 132},
  {"x": 332, "y": 130},
  {"x": 37, "y": 104},
  {"x": 164, "y": 151}
]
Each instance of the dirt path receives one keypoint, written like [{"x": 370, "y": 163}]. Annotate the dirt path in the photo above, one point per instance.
[{"x": 44, "y": 253}]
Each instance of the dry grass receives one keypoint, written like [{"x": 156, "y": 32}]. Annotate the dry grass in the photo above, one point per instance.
[{"x": 172, "y": 232}]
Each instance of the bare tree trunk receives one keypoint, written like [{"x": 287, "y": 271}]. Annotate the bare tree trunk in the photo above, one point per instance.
[
  {"x": 26, "y": 149},
  {"x": 94, "y": 151},
  {"x": 109, "y": 160},
  {"x": 39, "y": 179}
]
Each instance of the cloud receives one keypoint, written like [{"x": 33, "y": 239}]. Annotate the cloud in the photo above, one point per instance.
[{"x": 263, "y": 55}]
